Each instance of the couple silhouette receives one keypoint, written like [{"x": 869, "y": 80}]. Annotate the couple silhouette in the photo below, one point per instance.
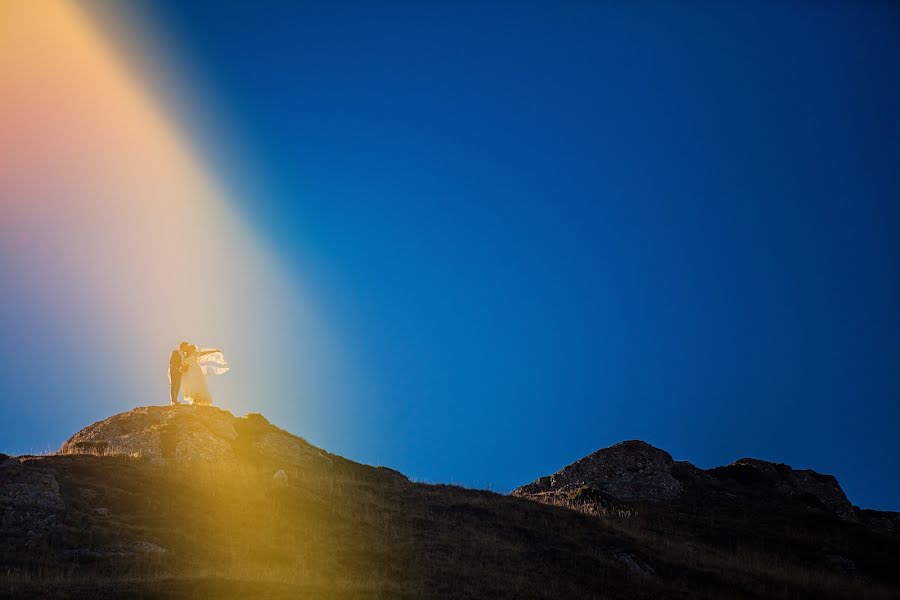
[{"x": 188, "y": 368}]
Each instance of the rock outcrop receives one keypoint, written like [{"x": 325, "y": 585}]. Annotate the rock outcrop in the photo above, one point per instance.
[
  {"x": 634, "y": 472},
  {"x": 186, "y": 433},
  {"x": 631, "y": 470},
  {"x": 789, "y": 482}
]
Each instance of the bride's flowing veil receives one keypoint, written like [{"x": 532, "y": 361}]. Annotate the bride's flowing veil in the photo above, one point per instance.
[{"x": 213, "y": 363}]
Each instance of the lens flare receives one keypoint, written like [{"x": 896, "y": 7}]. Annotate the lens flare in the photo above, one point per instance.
[{"x": 111, "y": 221}]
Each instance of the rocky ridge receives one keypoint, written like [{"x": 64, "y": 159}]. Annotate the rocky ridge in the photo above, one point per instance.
[
  {"x": 636, "y": 472},
  {"x": 790, "y": 483}
]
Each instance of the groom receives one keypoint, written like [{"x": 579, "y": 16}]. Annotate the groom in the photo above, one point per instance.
[{"x": 175, "y": 360}]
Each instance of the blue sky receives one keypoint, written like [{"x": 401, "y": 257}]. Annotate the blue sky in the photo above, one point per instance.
[{"x": 541, "y": 230}]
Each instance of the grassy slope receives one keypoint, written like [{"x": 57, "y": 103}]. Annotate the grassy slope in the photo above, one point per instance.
[{"x": 351, "y": 531}]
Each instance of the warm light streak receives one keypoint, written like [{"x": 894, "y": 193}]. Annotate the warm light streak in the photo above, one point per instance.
[{"x": 111, "y": 221}]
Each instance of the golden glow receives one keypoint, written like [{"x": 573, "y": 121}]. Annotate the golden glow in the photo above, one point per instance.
[{"x": 110, "y": 218}]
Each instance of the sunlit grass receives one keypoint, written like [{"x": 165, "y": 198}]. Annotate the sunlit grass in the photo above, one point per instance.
[{"x": 338, "y": 529}]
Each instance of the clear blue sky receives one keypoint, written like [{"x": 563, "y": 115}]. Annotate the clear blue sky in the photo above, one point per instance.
[{"x": 546, "y": 228}]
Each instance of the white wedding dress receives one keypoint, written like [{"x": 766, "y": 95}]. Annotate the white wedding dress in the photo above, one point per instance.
[{"x": 193, "y": 379}]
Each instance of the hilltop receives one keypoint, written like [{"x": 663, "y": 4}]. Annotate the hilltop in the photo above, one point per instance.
[
  {"x": 193, "y": 501},
  {"x": 186, "y": 433}
]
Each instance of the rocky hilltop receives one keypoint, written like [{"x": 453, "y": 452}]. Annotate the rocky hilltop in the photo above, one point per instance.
[
  {"x": 186, "y": 433},
  {"x": 634, "y": 471},
  {"x": 192, "y": 501}
]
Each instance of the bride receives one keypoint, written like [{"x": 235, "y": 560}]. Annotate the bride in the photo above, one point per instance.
[{"x": 197, "y": 364}]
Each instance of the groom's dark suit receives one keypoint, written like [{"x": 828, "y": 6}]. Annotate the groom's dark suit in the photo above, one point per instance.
[{"x": 174, "y": 375}]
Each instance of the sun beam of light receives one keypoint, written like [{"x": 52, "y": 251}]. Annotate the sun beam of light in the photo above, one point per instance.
[{"x": 119, "y": 241}]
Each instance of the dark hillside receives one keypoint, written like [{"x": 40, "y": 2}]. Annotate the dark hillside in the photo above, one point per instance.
[{"x": 130, "y": 512}]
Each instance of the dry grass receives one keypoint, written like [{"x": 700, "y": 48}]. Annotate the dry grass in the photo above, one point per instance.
[{"x": 348, "y": 531}]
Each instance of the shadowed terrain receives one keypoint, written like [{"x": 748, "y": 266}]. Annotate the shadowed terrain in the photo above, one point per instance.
[{"x": 191, "y": 501}]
